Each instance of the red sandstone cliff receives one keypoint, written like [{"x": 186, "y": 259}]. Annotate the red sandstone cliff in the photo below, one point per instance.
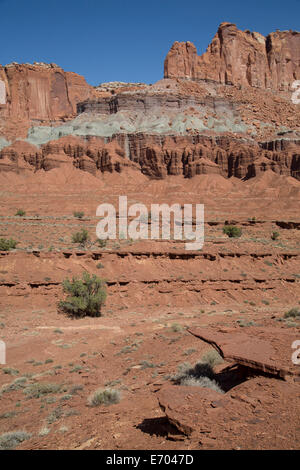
[
  {"x": 39, "y": 92},
  {"x": 210, "y": 128},
  {"x": 240, "y": 58}
]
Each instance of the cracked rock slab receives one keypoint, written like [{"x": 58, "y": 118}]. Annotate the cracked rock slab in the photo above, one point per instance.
[
  {"x": 268, "y": 350},
  {"x": 260, "y": 413}
]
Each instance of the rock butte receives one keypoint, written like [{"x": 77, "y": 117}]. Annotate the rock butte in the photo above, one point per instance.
[
  {"x": 228, "y": 112},
  {"x": 240, "y": 58}
]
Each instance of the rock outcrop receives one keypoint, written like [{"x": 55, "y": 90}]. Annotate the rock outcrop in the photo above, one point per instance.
[
  {"x": 39, "y": 93},
  {"x": 265, "y": 350},
  {"x": 158, "y": 156},
  {"x": 222, "y": 113},
  {"x": 240, "y": 58},
  {"x": 88, "y": 155},
  {"x": 207, "y": 416}
]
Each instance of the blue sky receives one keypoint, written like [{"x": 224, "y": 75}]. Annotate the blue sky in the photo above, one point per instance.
[{"x": 125, "y": 40}]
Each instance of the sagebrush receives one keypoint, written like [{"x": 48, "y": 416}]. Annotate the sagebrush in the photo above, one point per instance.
[
  {"x": 7, "y": 244},
  {"x": 85, "y": 297},
  {"x": 232, "y": 231},
  {"x": 81, "y": 237},
  {"x": 104, "y": 396}
]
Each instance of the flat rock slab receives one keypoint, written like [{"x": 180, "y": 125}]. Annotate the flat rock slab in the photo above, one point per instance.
[
  {"x": 186, "y": 407},
  {"x": 266, "y": 349},
  {"x": 259, "y": 413}
]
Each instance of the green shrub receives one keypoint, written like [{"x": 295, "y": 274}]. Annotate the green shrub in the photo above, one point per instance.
[
  {"x": 10, "y": 371},
  {"x": 81, "y": 237},
  {"x": 78, "y": 214},
  {"x": 20, "y": 213},
  {"x": 102, "y": 243},
  {"x": 104, "y": 396},
  {"x": 232, "y": 231},
  {"x": 293, "y": 313},
  {"x": 85, "y": 296},
  {"x": 7, "y": 244},
  {"x": 275, "y": 235}
]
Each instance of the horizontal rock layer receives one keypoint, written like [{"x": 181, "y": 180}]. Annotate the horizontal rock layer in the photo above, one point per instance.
[{"x": 158, "y": 156}]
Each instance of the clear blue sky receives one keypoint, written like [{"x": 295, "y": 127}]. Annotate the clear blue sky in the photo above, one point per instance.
[{"x": 126, "y": 40}]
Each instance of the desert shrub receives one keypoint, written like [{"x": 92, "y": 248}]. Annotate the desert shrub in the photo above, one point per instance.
[
  {"x": 44, "y": 431},
  {"x": 36, "y": 390},
  {"x": 104, "y": 396},
  {"x": 293, "y": 313},
  {"x": 20, "y": 213},
  {"x": 201, "y": 375},
  {"x": 102, "y": 243},
  {"x": 212, "y": 358},
  {"x": 81, "y": 237},
  {"x": 55, "y": 415},
  {"x": 275, "y": 235},
  {"x": 202, "y": 381},
  {"x": 78, "y": 214},
  {"x": 244, "y": 324},
  {"x": 10, "y": 440},
  {"x": 7, "y": 244},
  {"x": 10, "y": 371},
  {"x": 232, "y": 231},
  {"x": 84, "y": 296},
  {"x": 176, "y": 327}
]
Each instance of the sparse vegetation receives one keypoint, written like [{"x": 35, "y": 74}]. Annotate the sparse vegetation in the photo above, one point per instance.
[
  {"x": 8, "y": 414},
  {"x": 274, "y": 235},
  {"x": 55, "y": 415},
  {"x": 81, "y": 237},
  {"x": 44, "y": 431},
  {"x": 78, "y": 214},
  {"x": 176, "y": 327},
  {"x": 36, "y": 390},
  {"x": 293, "y": 313},
  {"x": 85, "y": 297},
  {"x": 10, "y": 440},
  {"x": 201, "y": 381},
  {"x": 212, "y": 358},
  {"x": 232, "y": 231},
  {"x": 202, "y": 374},
  {"x": 7, "y": 244},
  {"x": 243, "y": 323},
  {"x": 10, "y": 371},
  {"x": 101, "y": 243},
  {"x": 20, "y": 213},
  {"x": 104, "y": 396}
]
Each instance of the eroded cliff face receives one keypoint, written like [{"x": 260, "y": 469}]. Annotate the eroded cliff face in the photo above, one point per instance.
[
  {"x": 157, "y": 156},
  {"x": 240, "y": 58},
  {"x": 38, "y": 93},
  {"x": 226, "y": 113}
]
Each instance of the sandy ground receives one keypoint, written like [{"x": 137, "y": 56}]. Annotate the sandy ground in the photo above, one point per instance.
[{"x": 156, "y": 290}]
